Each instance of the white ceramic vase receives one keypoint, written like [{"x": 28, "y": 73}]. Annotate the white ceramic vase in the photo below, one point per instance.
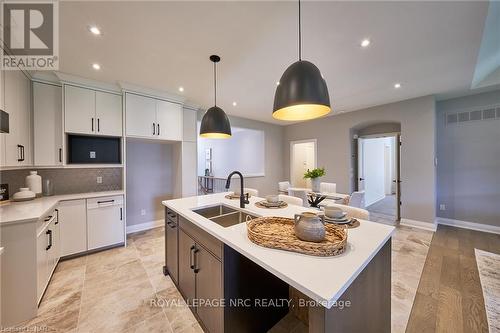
[
  {"x": 315, "y": 184},
  {"x": 34, "y": 183}
]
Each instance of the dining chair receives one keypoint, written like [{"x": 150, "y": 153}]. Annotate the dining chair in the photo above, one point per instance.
[
  {"x": 357, "y": 199},
  {"x": 328, "y": 187},
  {"x": 291, "y": 200},
  {"x": 283, "y": 187},
  {"x": 302, "y": 194},
  {"x": 354, "y": 212},
  {"x": 253, "y": 192}
]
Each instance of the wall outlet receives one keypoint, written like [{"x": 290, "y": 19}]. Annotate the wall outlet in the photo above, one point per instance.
[
  {"x": 92, "y": 154},
  {"x": 143, "y": 212},
  {"x": 99, "y": 180},
  {"x": 442, "y": 207}
]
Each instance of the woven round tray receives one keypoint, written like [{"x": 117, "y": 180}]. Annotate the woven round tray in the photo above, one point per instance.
[{"x": 278, "y": 233}]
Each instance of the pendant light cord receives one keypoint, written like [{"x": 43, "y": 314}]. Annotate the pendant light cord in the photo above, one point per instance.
[
  {"x": 215, "y": 83},
  {"x": 300, "y": 36}
]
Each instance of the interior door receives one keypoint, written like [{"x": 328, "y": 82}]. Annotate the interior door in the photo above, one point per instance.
[
  {"x": 108, "y": 113},
  {"x": 397, "y": 147},
  {"x": 187, "y": 281},
  {"x": 361, "y": 174},
  {"x": 209, "y": 287}
]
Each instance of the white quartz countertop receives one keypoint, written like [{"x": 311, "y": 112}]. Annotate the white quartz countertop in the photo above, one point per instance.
[
  {"x": 324, "y": 279},
  {"x": 27, "y": 211}
]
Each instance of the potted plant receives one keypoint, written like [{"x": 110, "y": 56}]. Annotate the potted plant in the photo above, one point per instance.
[{"x": 314, "y": 175}]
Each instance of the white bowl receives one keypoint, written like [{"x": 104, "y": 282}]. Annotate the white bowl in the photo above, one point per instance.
[
  {"x": 24, "y": 194},
  {"x": 272, "y": 198},
  {"x": 333, "y": 212}
]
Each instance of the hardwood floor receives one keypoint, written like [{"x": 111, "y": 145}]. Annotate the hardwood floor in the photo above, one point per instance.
[{"x": 449, "y": 296}]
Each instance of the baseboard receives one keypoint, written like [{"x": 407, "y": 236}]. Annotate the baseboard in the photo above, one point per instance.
[
  {"x": 468, "y": 225},
  {"x": 144, "y": 226},
  {"x": 418, "y": 224}
]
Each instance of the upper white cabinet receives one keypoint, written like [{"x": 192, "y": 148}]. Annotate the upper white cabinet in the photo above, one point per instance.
[
  {"x": 47, "y": 124},
  {"x": 92, "y": 112},
  {"x": 189, "y": 122},
  {"x": 148, "y": 117},
  {"x": 18, "y": 105}
]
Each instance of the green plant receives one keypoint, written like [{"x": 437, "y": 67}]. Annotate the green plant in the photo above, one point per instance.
[{"x": 314, "y": 173}]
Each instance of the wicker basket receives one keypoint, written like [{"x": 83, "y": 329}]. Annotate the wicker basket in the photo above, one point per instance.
[{"x": 279, "y": 233}]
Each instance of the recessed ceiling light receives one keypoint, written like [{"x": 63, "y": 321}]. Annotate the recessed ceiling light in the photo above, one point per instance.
[
  {"x": 234, "y": 103},
  {"x": 277, "y": 83},
  {"x": 96, "y": 66},
  {"x": 181, "y": 89},
  {"x": 397, "y": 85},
  {"x": 365, "y": 42},
  {"x": 95, "y": 30}
]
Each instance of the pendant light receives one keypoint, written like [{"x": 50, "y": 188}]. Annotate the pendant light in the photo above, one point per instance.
[
  {"x": 301, "y": 93},
  {"x": 215, "y": 123}
]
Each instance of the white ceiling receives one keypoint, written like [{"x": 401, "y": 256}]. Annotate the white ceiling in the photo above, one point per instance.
[{"x": 430, "y": 47}]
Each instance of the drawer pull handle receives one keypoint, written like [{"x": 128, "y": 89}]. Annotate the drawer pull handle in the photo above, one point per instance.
[
  {"x": 49, "y": 233},
  {"x": 105, "y": 201},
  {"x": 196, "y": 268},
  {"x": 121, "y": 214},
  {"x": 48, "y": 218}
]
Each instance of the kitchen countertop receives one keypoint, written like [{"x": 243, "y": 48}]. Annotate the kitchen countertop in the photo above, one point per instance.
[
  {"x": 324, "y": 279},
  {"x": 28, "y": 211}
]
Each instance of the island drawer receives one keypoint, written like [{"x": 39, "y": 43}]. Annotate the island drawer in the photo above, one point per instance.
[
  {"x": 171, "y": 215},
  {"x": 202, "y": 237}
]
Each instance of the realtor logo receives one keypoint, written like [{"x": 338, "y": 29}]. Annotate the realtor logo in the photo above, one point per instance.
[{"x": 30, "y": 35}]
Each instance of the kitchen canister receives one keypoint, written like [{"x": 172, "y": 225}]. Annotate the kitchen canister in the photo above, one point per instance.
[{"x": 34, "y": 183}]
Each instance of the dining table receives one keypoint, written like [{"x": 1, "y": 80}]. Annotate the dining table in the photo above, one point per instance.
[{"x": 315, "y": 198}]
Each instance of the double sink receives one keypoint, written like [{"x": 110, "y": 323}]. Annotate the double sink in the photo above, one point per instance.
[{"x": 223, "y": 215}]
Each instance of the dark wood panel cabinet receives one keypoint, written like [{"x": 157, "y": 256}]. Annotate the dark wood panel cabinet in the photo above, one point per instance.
[
  {"x": 209, "y": 287},
  {"x": 171, "y": 232},
  {"x": 187, "y": 277}
]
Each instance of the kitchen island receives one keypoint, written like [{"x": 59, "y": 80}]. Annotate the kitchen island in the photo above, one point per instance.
[{"x": 346, "y": 293}]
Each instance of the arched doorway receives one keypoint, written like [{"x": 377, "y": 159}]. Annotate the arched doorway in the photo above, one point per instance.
[{"x": 376, "y": 168}]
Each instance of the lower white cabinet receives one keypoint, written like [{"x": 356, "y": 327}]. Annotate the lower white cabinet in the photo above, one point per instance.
[
  {"x": 105, "y": 223},
  {"x": 47, "y": 252},
  {"x": 73, "y": 222}
]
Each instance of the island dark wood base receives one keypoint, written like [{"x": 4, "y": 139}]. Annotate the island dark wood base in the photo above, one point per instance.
[{"x": 370, "y": 301}]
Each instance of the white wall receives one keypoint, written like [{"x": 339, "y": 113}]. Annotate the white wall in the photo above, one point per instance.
[
  {"x": 334, "y": 135},
  {"x": 244, "y": 152},
  {"x": 374, "y": 169}
]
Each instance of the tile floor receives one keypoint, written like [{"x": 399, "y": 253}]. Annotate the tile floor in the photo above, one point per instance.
[{"x": 124, "y": 290}]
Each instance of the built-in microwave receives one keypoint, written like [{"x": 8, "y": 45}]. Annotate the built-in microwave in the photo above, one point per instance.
[{"x": 94, "y": 150}]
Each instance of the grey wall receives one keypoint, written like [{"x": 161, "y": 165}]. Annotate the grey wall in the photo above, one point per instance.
[
  {"x": 417, "y": 119},
  {"x": 469, "y": 162},
  {"x": 67, "y": 180},
  {"x": 274, "y": 166},
  {"x": 149, "y": 180}
]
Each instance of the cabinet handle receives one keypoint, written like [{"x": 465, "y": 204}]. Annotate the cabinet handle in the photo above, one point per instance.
[
  {"x": 48, "y": 218},
  {"x": 196, "y": 268},
  {"x": 21, "y": 153},
  {"x": 158, "y": 129},
  {"x": 49, "y": 233},
  {"x": 154, "y": 127},
  {"x": 22, "y": 147},
  {"x": 105, "y": 201},
  {"x": 98, "y": 124},
  {"x": 60, "y": 155},
  {"x": 92, "y": 124},
  {"x": 121, "y": 214},
  {"x": 191, "y": 257},
  {"x": 57, "y": 216}
]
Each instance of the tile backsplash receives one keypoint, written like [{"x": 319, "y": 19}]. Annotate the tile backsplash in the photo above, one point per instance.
[{"x": 66, "y": 180}]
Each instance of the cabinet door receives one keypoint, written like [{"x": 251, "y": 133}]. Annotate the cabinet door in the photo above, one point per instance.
[
  {"x": 105, "y": 225},
  {"x": 73, "y": 226},
  {"x": 47, "y": 124},
  {"x": 13, "y": 106},
  {"x": 42, "y": 269},
  {"x": 187, "y": 281},
  {"x": 189, "y": 131},
  {"x": 140, "y": 113},
  {"x": 172, "y": 251},
  {"x": 209, "y": 287},
  {"x": 169, "y": 121},
  {"x": 108, "y": 108},
  {"x": 25, "y": 119},
  {"x": 79, "y": 110}
]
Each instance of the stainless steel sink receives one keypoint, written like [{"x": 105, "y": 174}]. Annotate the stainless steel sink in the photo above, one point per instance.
[{"x": 224, "y": 215}]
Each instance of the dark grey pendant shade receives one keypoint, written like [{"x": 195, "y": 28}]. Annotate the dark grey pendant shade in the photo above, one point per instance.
[
  {"x": 215, "y": 124},
  {"x": 301, "y": 93}
]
